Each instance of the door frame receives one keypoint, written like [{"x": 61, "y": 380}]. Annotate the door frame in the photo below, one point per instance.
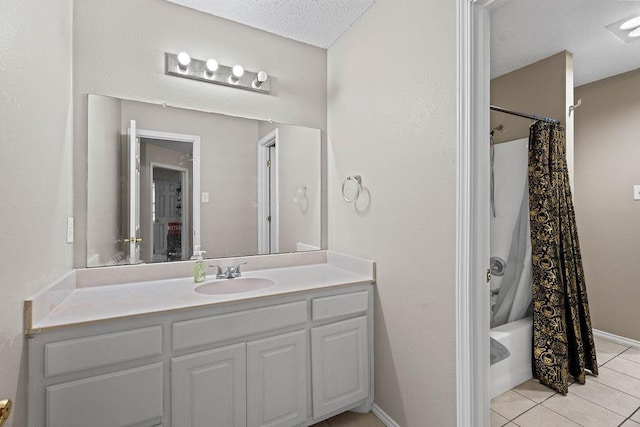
[
  {"x": 194, "y": 140},
  {"x": 473, "y": 221},
  {"x": 184, "y": 181},
  {"x": 264, "y": 247}
]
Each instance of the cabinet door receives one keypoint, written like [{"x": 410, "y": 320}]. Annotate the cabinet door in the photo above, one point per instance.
[
  {"x": 209, "y": 388},
  {"x": 339, "y": 365},
  {"x": 277, "y": 381},
  {"x": 122, "y": 398}
]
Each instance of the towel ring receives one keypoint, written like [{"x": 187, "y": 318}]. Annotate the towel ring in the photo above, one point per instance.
[{"x": 358, "y": 181}]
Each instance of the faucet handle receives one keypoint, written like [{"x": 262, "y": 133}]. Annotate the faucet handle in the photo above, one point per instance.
[
  {"x": 218, "y": 269},
  {"x": 237, "y": 269}
]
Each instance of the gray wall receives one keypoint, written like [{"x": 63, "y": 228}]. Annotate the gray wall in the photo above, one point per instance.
[
  {"x": 544, "y": 88},
  {"x": 607, "y": 155},
  {"x": 397, "y": 128},
  {"x": 36, "y": 161},
  {"x": 119, "y": 51},
  {"x": 103, "y": 194}
]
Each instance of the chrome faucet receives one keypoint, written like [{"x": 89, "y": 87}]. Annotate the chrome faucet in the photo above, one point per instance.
[{"x": 231, "y": 271}]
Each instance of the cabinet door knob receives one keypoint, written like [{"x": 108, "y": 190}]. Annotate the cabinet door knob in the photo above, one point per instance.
[{"x": 5, "y": 410}]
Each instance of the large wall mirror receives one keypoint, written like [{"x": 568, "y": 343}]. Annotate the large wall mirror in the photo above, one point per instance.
[{"x": 163, "y": 181}]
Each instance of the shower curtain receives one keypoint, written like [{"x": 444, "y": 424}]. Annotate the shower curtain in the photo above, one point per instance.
[{"x": 562, "y": 336}]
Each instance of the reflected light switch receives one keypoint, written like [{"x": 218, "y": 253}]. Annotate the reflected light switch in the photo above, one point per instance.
[
  {"x": 205, "y": 197},
  {"x": 636, "y": 192}
]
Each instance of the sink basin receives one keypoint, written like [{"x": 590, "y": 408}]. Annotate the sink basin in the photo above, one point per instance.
[{"x": 234, "y": 286}]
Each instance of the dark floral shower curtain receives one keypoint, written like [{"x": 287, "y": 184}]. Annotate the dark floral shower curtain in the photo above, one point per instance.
[{"x": 562, "y": 336}]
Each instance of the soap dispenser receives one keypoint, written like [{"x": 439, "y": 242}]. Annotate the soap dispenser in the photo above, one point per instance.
[{"x": 199, "y": 270}]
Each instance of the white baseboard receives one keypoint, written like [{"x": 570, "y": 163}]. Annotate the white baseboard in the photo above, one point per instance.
[
  {"x": 616, "y": 338},
  {"x": 382, "y": 416}
]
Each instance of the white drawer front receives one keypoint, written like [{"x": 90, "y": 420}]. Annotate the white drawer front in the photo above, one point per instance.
[
  {"x": 208, "y": 330},
  {"x": 91, "y": 352},
  {"x": 339, "y": 305},
  {"x": 122, "y": 398}
]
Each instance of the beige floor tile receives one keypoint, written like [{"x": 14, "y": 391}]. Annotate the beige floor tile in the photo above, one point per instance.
[
  {"x": 605, "y": 396},
  {"x": 582, "y": 411},
  {"x": 630, "y": 423},
  {"x": 636, "y": 417},
  {"x": 321, "y": 424},
  {"x": 625, "y": 366},
  {"x": 497, "y": 420},
  {"x": 619, "y": 381},
  {"x": 511, "y": 404},
  {"x": 541, "y": 416},
  {"x": 352, "y": 419},
  {"x": 535, "y": 391},
  {"x": 607, "y": 350},
  {"x": 632, "y": 354}
]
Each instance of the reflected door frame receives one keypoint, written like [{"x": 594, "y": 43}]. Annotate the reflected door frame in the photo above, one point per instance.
[
  {"x": 268, "y": 219},
  {"x": 194, "y": 140}
]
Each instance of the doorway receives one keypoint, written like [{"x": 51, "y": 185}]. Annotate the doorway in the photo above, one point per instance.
[
  {"x": 168, "y": 195},
  {"x": 169, "y": 213},
  {"x": 268, "y": 218},
  {"x": 472, "y": 264}
]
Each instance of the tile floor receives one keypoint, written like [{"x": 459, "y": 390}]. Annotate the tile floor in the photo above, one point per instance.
[
  {"x": 611, "y": 399},
  {"x": 351, "y": 419}
]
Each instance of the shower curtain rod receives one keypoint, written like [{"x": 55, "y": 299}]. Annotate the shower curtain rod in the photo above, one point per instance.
[{"x": 526, "y": 116}]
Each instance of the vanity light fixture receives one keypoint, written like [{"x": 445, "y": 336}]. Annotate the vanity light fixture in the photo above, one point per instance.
[
  {"x": 635, "y": 33},
  {"x": 210, "y": 71}
]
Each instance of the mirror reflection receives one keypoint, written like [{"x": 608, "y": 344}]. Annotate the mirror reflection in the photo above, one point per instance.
[{"x": 165, "y": 181}]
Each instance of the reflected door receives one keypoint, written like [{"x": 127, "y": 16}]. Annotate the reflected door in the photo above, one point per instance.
[
  {"x": 132, "y": 238},
  {"x": 167, "y": 220}
]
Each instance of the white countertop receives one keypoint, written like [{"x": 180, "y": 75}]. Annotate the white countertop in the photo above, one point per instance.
[{"x": 92, "y": 304}]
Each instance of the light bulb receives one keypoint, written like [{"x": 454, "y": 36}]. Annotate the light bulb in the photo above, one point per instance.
[
  {"x": 631, "y": 23},
  {"x": 261, "y": 77},
  {"x": 184, "y": 60},
  {"x": 212, "y": 66},
  {"x": 238, "y": 71},
  {"x": 635, "y": 33}
]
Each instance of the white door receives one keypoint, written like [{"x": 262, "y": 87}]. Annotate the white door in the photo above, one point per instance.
[
  {"x": 167, "y": 214},
  {"x": 277, "y": 381},
  {"x": 133, "y": 230},
  {"x": 339, "y": 365},
  {"x": 209, "y": 388}
]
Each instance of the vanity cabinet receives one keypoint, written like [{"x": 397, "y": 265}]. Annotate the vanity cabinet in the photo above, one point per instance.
[{"x": 288, "y": 361}]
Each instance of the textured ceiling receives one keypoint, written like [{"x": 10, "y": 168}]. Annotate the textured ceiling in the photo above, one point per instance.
[
  {"x": 525, "y": 31},
  {"x": 316, "y": 22}
]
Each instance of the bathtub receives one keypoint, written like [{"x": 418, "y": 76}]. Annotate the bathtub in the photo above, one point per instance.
[{"x": 515, "y": 369}]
